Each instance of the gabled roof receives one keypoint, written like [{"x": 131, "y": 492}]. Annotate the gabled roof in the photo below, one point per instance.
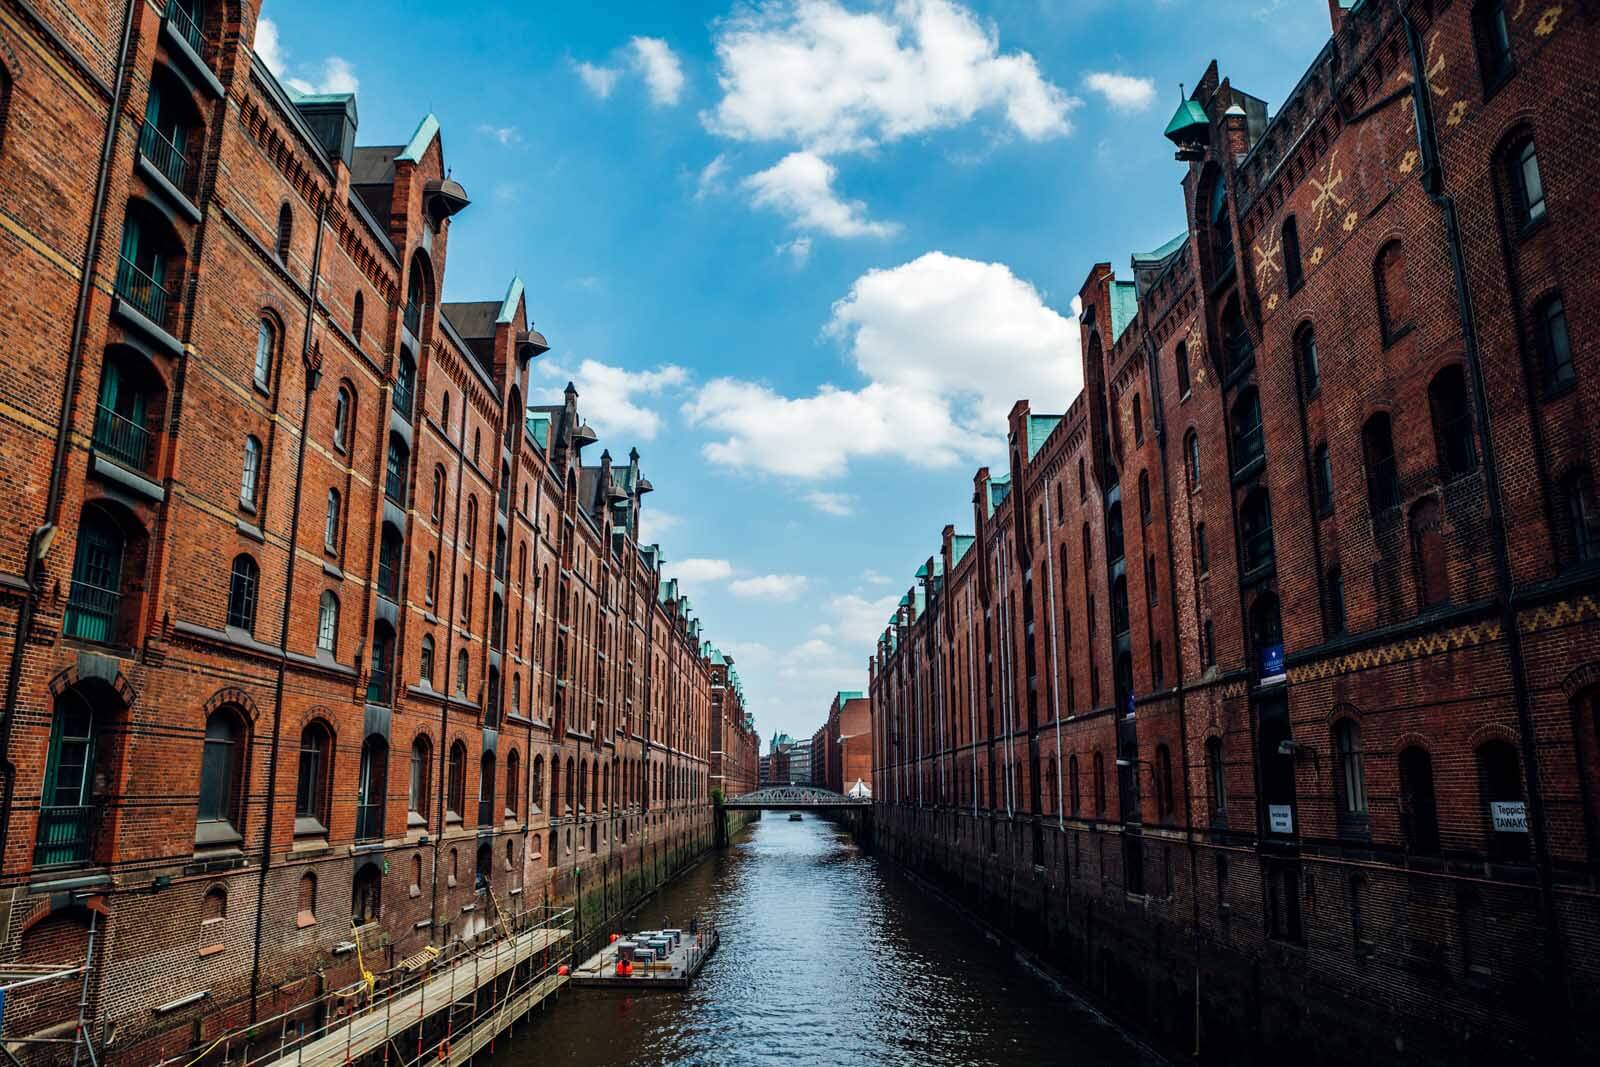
[
  {"x": 473, "y": 319},
  {"x": 960, "y": 545},
  {"x": 427, "y": 130},
  {"x": 1124, "y": 307},
  {"x": 999, "y": 489},
  {"x": 1039, "y": 429},
  {"x": 1150, "y": 259},
  {"x": 508, "y": 306}
]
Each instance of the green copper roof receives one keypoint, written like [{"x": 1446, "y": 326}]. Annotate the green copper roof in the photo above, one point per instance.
[
  {"x": 1188, "y": 116},
  {"x": 1124, "y": 306},
  {"x": 999, "y": 489},
  {"x": 427, "y": 130},
  {"x": 539, "y": 426},
  {"x": 508, "y": 306},
  {"x": 848, "y": 694},
  {"x": 1039, "y": 429},
  {"x": 1163, "y": 252},
  {"x": 960, "y": 545},
  {"x": 922, "y": 571}
]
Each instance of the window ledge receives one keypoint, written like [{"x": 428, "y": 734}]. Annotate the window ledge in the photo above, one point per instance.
[
  {"x": 250, "y": 530},
  {"x": 307, "y": 826},
  {"x": 135, "y": 319},
  {"x": 111, "y": 471},
  {"x": 164, "y": 187},
  {"x": 210, "y": 833}
]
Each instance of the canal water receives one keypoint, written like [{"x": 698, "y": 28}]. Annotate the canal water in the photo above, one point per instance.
[{"x": 826, "y": 958}]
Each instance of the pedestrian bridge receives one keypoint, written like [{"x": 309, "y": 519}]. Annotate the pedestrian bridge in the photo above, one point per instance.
[{"x": 794, "y": 797}]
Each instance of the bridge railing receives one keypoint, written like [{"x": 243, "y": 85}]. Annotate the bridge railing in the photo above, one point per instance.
[{"x": 795, "y": 797}]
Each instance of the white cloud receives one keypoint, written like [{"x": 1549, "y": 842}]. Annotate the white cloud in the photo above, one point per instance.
[
  {"x": 814, "y": 73},
  {"x": 798, "y": 250},
  {"x": 710, "y": 180},
  {"x": 600, "y": 80},
  {"x": 800, "y": 185},
  {"x": 1123, "y": 92},
  {"x": 506, "y": 135},
  {"x": 334, "y": 75},
  {"x": 946, "y": 346},
  {"x": 831, "y": 503},
  {"x": 700, "y": 570},
  {"x": 609, "y": 397},
  {"x": 859, "y": 620},
  {"x": 655, "y": 60},
  {"x": 769, "y": 586},
  {"x": 872, "y": 577},
  {"x": 654, "y": 524}
]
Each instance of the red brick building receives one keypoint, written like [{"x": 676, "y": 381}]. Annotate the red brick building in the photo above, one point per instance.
[
  {"x": 1263, "y": 697},
  {"x": 735, "y": 745},
  {"x": 323, "y": 624},
  {"x": 842, "y": 746}
]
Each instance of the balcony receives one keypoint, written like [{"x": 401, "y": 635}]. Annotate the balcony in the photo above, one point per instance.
[
  {"x": 394, "y": 484},
  {"x": 91, "y": 611},
  {"x": 184, "y": 25},
  {"x": 379, "y": 685},
  {"x": 122, "y": 439},
  {"x": 404, "y": 394},
  {"x": 65, "y": 835},
  {"x": 369, "y": 821},
  {"x": 143, "y": 293},
  {"x": 165, "y": 156},
  {"x": 413, "y": 320}
]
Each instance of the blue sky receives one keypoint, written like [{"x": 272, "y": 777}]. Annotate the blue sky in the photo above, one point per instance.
[{"x": 804, "y": 254}]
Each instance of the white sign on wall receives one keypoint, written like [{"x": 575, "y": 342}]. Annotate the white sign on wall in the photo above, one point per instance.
[
  {"x": 1280, "y": 818},
  {"x": 1509, "y": 816}
]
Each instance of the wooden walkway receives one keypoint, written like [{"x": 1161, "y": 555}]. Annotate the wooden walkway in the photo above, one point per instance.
[{"x": 366, "y": 1032}]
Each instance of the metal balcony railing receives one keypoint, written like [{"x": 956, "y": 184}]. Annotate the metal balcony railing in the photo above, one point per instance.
[
  {"x": 121, "y": 438},
  {"x": 167, "y": 157},
  {"x": 182, "y": 21},
  {"x": 378, "y": 687},
  {"x": 148, "y": 296},
  {"x": 91, "y": 611},
  {"x": 404, "y": 393},
  {"x": 369, "y": 822},
  {"x": 413, "y": 319},
  {"x": 65, "y": 835},
  {"x": 394, "y": 485}
]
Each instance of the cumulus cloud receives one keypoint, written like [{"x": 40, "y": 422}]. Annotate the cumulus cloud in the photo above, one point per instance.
[
  {"x": 600, "y": 80},
  {"x": 860, "y": 620},
  {"x": 769, "y": 586},
  {"x": 1123, "y": 92},
  {"x": 656, "y": 62},
  {"x": 840, "y": 504},
  {"x": 611, "y": 398},
  {"x": 945, "y": 345},
  {"x": 333, "y": 75},
  {"x": 800, "y": 186},
  {"x": 817, "y": 74},
  {"x": 654, "y": 524},
  {"x": 700, "y": 570}
]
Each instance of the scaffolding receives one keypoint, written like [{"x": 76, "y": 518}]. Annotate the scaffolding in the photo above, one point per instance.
[
  {"x": 437, "y": 1006},
  {"x": 14, "y": 976}
]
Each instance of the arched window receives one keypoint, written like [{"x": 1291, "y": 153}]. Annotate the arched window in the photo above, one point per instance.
[
  {"x": 215, "y": 904},
  {"x": 1419, "y": 813},
  {"x": 1255, "y": 527},
  {"x": 1527, "y": 186},
  {"x": 456, "y": 781},
  {"x": 1248, "y": 443},
  {"x": 430, "y": 578},
  {"x": 285, "y": 232},
  {"x": 470, "y": 535},
  {"x": 438, "y": 492},
  {"x": 242, "y": 589},
  {"x": 477, "y": 445},
  {"x": 1151, "y": 589},
  {"x": 1333, "y": 600},
  {"x": 306, "y": 900},
  {"x": 1322, "y": 464},
  {"x": 1165, "y": 805},
  {"x": 343, "y": 405},
  {"x": 1452, "y": 422},
  {"x": 1217, "y": 219},
  {"x": 1180, "y": 361},
  {"x": 1293, "y": 269},
  {"x": 1383, "y": 473},
  {"x": 516, "y": 693},
  {"x": 1138, "y": 420},
  {"x": 1305, "y": 345},
  {"x": 328, "y": 623},
  {"x": 417, "y": 791},
  {"x": 1349, "y": 778},
  {"x": 399, "y": 470},
  {"x": 220, "y": 766},
  {"x": 250, "y": 473},
  {"x": 366, "y": 895},
  {"x": 1202, "y": 549},
  {"x": 358, "y": 316},
  {"x": 266, "y": 348},
  {"x": 391, "y": 547},
  {"x": 1216, "y": 780},
  {"x": 149, "y": 269},
  {"x": 1504, "y": 810},
  {"x": 1072, "y": 783},
  {"x": 1114, "y": 538},
  {"x": 380, "y": 674},
  {"x": 1083, "y": 484},
  {"x": 1492, "y": 36},
  {"x": 536, "y": 781},
  {"x": 1394, "y": 293},
  {"x": 513, "y": 785},
  {"x": 444, "y": 414},
  {"x": 1428, "y": 554},
  {"x": 97, "y": 607},
  {"x": 65, "y": 811},
  {"x": 405, "y": 384},
  {"x": 416, "y": 298},
  {"x": 1191, "y": 452},
  {"x": 1144, "y": 497},
  {"x": 486, "y": 793},
  {"x": 425, "y": 661},
  {"x": 1554, "y": 343},
  {"x": 1581, "y": 528},
  {"x": 330, "y": 522},
  {"x": 461, "y": 672},
  {"x": 316, "y": 769}
]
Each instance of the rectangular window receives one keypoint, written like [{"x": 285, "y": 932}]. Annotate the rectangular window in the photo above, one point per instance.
[{"x": 1555, "y": 344}]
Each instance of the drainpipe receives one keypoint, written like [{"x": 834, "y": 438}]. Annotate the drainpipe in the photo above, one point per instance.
[
  {"x": 449, "y": 664},
  {"x": 32, "y": 567},
  {"x": 313, "y": 379},
  {"x": 1432, "y": 178}
]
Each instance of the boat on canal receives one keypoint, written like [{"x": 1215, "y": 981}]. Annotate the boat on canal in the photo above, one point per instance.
[{"x": 649, "y": 959}]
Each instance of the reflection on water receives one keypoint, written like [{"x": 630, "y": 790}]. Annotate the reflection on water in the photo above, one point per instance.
[{"x": 826, "y": 958}]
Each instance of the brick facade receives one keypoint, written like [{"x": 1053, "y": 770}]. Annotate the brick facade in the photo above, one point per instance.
[
  {"x": 323, "y": 622},
  {"x": 1264, "y": 694},
  {"x": 735, "y": 745}
]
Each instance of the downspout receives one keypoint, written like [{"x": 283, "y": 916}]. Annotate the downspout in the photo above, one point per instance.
[
  {"x": 32, "y": 566},
  {"x": 1432, "y": 178},
  {"x": 313, "y": 379},
  {"x": 449, "y": 659},
  {"x": 1055, "y": 665}
]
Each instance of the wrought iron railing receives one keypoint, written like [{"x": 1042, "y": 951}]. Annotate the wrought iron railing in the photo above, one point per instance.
[
  {"x": 394, "y": 484},
  {"x": 148, "y": 296},
  {"x": 65, "y": 834},
  {"x": 369, "y": 822},
  {"x": 167, "y": 157},
  {"x": 121, "y": 438},
  {"x": 91, "y": 611},
  {"x": 182, "y": 21}
]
